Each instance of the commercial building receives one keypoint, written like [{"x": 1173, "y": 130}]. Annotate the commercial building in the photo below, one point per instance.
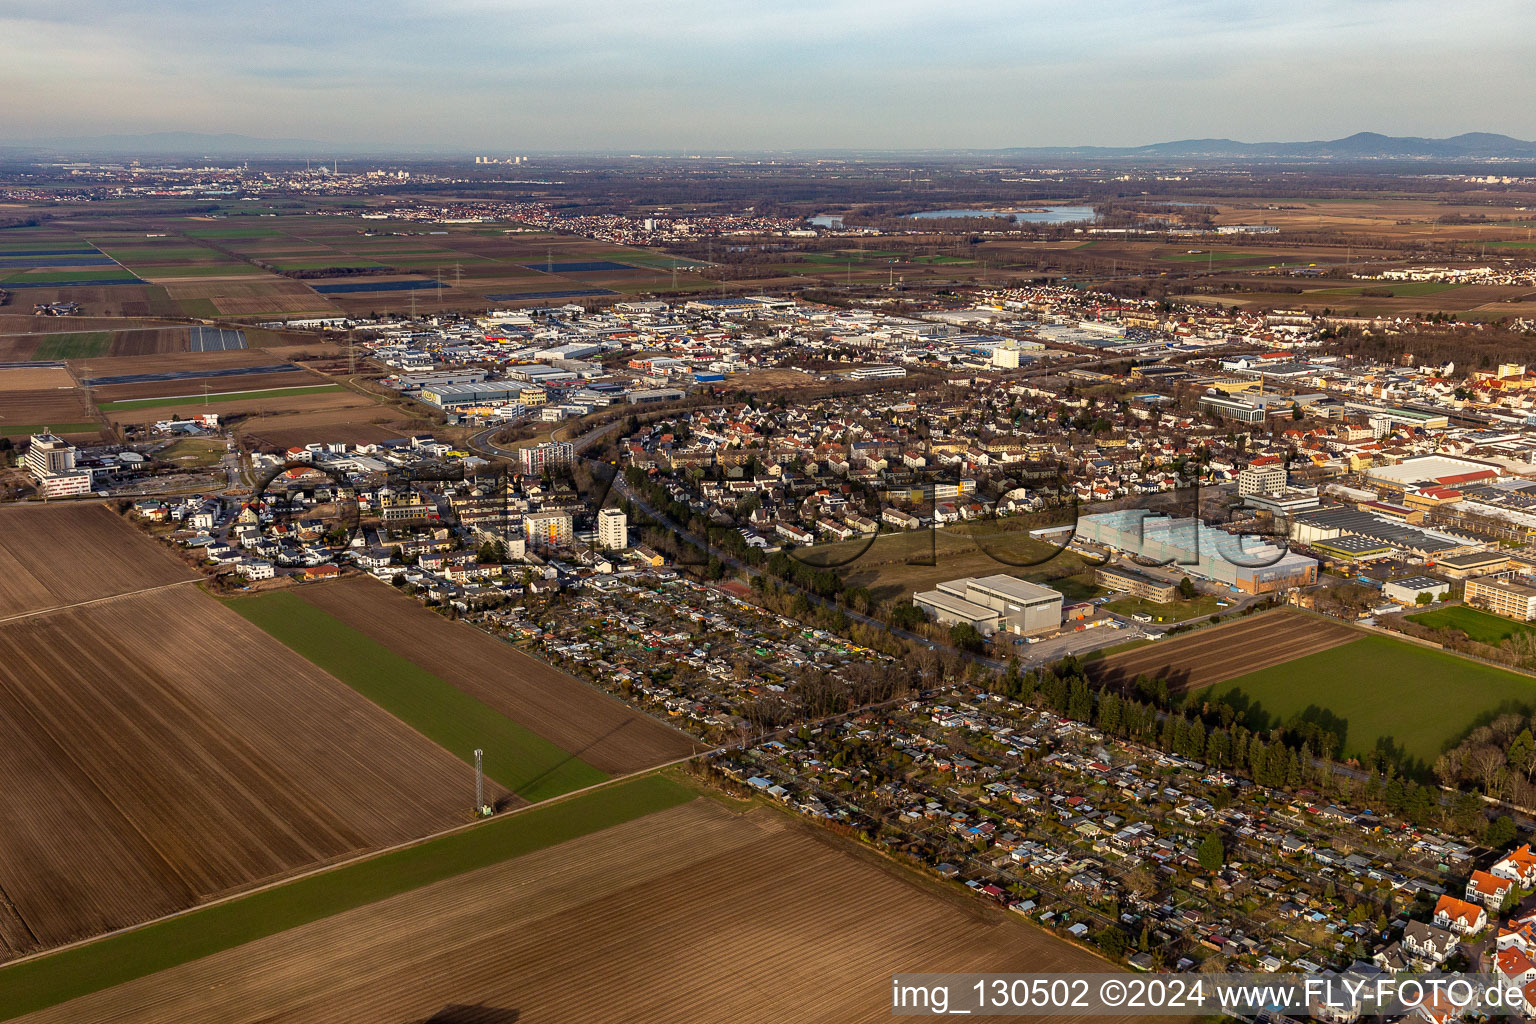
[
  {"x": 1137, "y": 584},
  {"x": 612, "y": 529},
  {"x": 51, "y": 462},
  {"x": 1503, "y": 597},
  {"x": 993, "y": 603},
  {"x": 880, "y": 372},
  {"x": 1250, "y": 564},
  {"x": 1269, "y": 479},
  {"x": 1476, "y": 563},
  {"x": 1349, "y": 548},
  {"x": 1250, "y": 408},
  {"x": 1334, "y": 521},
  {"x": 1409, "y": 589}
]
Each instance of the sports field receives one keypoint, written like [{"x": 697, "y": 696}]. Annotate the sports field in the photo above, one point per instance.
[
  {"x": 517, "y": 757},
  {"x": 1478, "y": 625},
  {"x": 1418, "y": 698}
]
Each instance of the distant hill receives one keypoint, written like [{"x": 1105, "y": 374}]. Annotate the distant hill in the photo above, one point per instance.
[{"x": 1360, "y": 146}]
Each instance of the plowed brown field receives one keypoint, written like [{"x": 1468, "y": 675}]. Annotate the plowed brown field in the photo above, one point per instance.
[
  {"x": 1222, "y": 652},
  {"x": 63, "y": 554},
  {"x": 156, "y": 749},
  {"x": 693, "y": 914},
  {"x": 596, "y": 728}
]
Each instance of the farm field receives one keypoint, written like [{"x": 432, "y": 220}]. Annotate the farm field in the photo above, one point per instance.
[
  {"x": 166, "y": 750},
  {"x": 1380, "y": 687},
  {"x": 605, "y": 733},
  {"x": 1220, "y": 652},
  {"x": 182, "y": 939},
  {"x": 1480, "y": 626},
  {"x": 58, "y": 555},
  {"x": 43, "y": 395},
  {"x": 218, "y": 397},
  {"x": 740, "y": 917},
  {"x": 520, "y": 759},
  {"x": 94, "y": 344}
]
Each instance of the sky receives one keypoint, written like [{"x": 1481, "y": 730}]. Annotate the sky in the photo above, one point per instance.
[{"x": 508, "y": 76}]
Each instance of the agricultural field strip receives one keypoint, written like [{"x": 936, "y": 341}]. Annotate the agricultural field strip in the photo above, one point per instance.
[
  {"x": 523, "y": 761},
  {"x": 146, "y": 770},
  {"x": 95, "y": 600},
  {"x": 1221, "y": 652},
  {"x": 606, "y": 732},
  {"x": 54, "y": 976},
  {"x": 46, "y": 557},
  {"x": 651, "y": 896},
  {"x": 222, "y": 396}
]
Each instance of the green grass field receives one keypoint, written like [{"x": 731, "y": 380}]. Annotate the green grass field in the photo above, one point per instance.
[
  {"x": 338, "y": 263},
  {"x": 515, "y": 756},
  {"x": 15, "y": 429},
  {"x": 235, "y": 233},
  {"x": 74, "y": 345},
  {"x": 202, "y": 270},
  {"x": 44, "y": 276},
  {"x": 1174, "y": 611},
  {"x": 40, "y": 244},
  {"x": 50, "y": 980},
  {"x": 1419, "y": 697},
  {"x": 226, "y": 396},
  {"x": 198, "y": 307},
  {"x": 1478, "y": 625}
]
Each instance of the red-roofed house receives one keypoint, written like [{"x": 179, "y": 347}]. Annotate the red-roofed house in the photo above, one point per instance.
[
  {"x": 1488, "y": 889},
  {"x": 1460, "y": 916},
  {"x": 1518, "y": 866}
]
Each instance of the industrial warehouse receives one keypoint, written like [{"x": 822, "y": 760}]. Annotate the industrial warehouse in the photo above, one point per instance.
[
  {"x": 992, "y": 604},
  {"x": 1249, "y": 564}
]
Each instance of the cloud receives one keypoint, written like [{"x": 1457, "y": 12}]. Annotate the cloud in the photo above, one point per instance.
[{"x": 577, "y": 74}]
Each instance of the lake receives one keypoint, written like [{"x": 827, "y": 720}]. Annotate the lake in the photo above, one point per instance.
[{"x": 1036, "y": 215}]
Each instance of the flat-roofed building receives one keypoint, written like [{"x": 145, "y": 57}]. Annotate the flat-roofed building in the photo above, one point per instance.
[
  {"x": 548, "y": 529},
  {"x": 1409, "y": 589},
  {"x": 52, "y": 464},
  {"x": 1476, "y": 563},
  {"x": 992, "y": 603},
  {"x": 1265, "y": 479},
  {"x": 612, "y": 529},
  {"x": 1349, "y": 548},
  {"x": 949, "y": 610},
  {"x": 1137, "y": 584},
  {"x": 1503, "y": 597}
]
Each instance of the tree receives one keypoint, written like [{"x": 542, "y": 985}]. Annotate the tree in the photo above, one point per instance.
[
  {"x": 965, "y": 636},
  {"x": 1211, "y": 854},
  {"x": 1501, "y": 832},
  {"x": 1425, "y": 597},
  {"x": 1187, "y": 588}
]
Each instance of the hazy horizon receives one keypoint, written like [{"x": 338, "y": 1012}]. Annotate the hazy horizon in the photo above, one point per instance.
[{"x": 532, "y": 75}]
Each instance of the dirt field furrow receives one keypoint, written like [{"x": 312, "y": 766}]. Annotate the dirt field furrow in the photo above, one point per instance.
[
  {"x": 600, "y": 730},
  {"x": 156, "y": 749},
  {"x": 690, "y": 915},
  {"x": 1221, "y": 652},
  {"x": 62, "y": 554}
]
